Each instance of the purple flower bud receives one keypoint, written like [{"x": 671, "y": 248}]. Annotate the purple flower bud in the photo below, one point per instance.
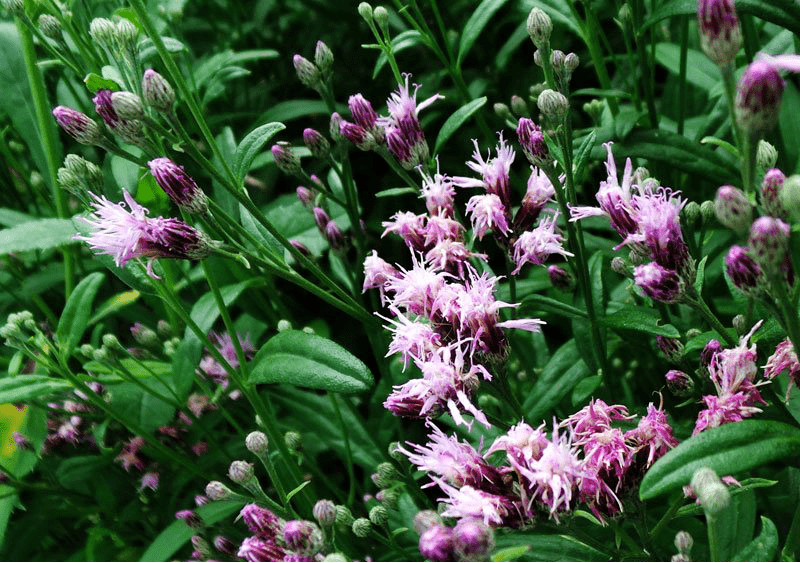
[
  {"x": 743, "y": 271},
  {"x": 357, "y": 135},
  {"x": 758, "y": 97},
  {"x": 191, "y": 518},
  {"x": 307, "y": 72},
  {"x": 302, "y": 536},
  {"x": 437, "y": 543},
  {"x": 672, "y": 348},
  {"x": 316, "y": 143},
  {"x": 257, "y": 443},
  {"x": 560, "y": 278},
  {"x": 532, "y": 141},
  {"x": 325, "y": 512},
  {"x": 260, "y": 521},
  {"x": 709, "y": 351},
  {"x": 733, "y": 209},
  {"x": 217, "y": 491},
  {"x": 362, "y": 111},
  {"x": 658, "y": 282},
  {"x": 769, "y": 241},
  {"x": 130, "y": 131},
  {"x": 321, "y": 218},
  {"x": 224, "y": 545},
  {"x": 287, "y": 161},
  {"x": 720, "y": 35},
  {"x": 201, "y": 500},
  {"x": 149, "y": 480},
  {"x": 157, "y": 92},
  {"x": 679, "y": 383},
  {"x": 179, "y": 186},
  {"x": 305, "y": 196},
  {"x": 78, "y": 125},
  {"x": 473, "y": 539},
  {"x": 257, "y": 549},
  {"x": 771, "y": 187},
  {"x": 334, "y": 235},
  {"x": 323, "y": 58},
  {"x": 302, "y": 248}
]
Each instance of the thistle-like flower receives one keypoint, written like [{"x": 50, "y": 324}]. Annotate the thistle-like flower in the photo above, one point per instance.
[
  {"x": 536, "y": 246},
  {"x": 129, "y": 233},
  {"x": 178, "y": 185}
]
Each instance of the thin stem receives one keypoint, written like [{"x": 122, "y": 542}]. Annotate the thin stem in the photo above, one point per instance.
[
  {"x": 348, "y": 454},
  {"x": 668, "y": 515},
  {"x": 591, "y": 30},
  {"x": 682, "y": 84},
  {"x": 47, "y": 134},
  {"x": 697, "y": 302}
]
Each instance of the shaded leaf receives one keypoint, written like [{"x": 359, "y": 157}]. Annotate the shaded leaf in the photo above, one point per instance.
[
  {"x": 75, "y": 318},
  {"x": 251, "y": 145},
  {"x": 41, "y": 234},
  {"x": 456, "y": 120},
  {"x": 475, "y": 25},
  {"x": 25, "y": 387}
]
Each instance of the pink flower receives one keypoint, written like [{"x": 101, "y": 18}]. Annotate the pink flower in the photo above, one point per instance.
[
  {"x": 457, "y": 463},
  {"x": 494, "y": 171},
  {"x": 594, "y": 417},
  {"x": 126, "y": 234},
  {"x": 784, "y": 359},
  {"x": 377, "y": 272},
  {"x": 409, "y": 226},
  {"x": 536, "y": 246},
  {"x": 415, "y": 290},
  {"x": 451, "y": 256},
  {"x": 487, "y": 212},
  {"x": 724, "y": 409},
  {"x": 439, "y": 228},
  {"x": 607, "y": 453},
  {"x": 411, "y": 339},
  {"x": 469, "y": 502},
  {"x": 404, "y": 136},
  {"x": 522, "y": 443},
  {"x": 654, "y": 434},
  {"x": 438, "y": 192}
]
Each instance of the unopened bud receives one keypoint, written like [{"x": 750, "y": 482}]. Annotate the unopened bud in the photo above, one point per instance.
[
  {"x": 284, "y": 325},
  {"x": 303, "y": 537},
  {"x": 788, "y": 200},
  {"x": 619, "y": 265},
  {"x": 225, "y": 546},
  {"x": 381, "y": 17},
  {"x": 325, "y": 512},
  {"x": 365, "y": 11},
  {"x": 707, "y": 211},
  {"x": 531, "y": 138},
  {"x": 519, "y": 106},
  {"x": 766, "y": 155},
  {"x": 743, "y": 271},
  {"x": 343, "y": 515},
  {"x": 473, "y": 539},
  {"x": 658, "y": 282},
  {"x": 537, "y": 58},
  {"x": 104, "y": 32},
  {"x": 240, "y": 472},
  {"x": 179, "y": 186},
  {"x": 389, "y": 497},
  {"x": 323, "y": 58},
  {"x": 679, "y": 383},
  {"x": 691, "y": 213},
  {"x": 378, "y": 515},
  {"x": 595, "y": 109},
  {"x": 15, "y": 7},
  {"x": 361, "y": 527},
  {"x": 334, "y": 235},
  {"x": 257, "y": 443},
  {"x": 553, "y": 105},
  {"x": 672, "y": 348},
  {"x": 78, "y": 125},
  {"x": 307, "y": 72},
  {"x": 710, "y": 491},
  {"x": 733, "y": 209},
  {"x": 540, "y": 26},
  {"x": 335, "y": 557},
  {"x": 127, "y": 105},
  {"x": 740, "y": 325},
  {"x": 157, "y": 92},
  {"x": 758, "y": 98},
  {"x": 387, "y": 473},
  {"x": 769, "y": 241},
  {"x": 294, "y": 441},
  {"x": 50, "y": 27},
  {"x": 437, "y": 543},
  {"x": 571, "y": 62},
  {"x": 684, "y": 542},
  {"x": 720, "y": 34},
  {"x": 560, "y": 278},
  {"x": 191, "y": 518},
  {"x": 286, "y": 159},
  {"x": 87, "y": 350},
  {"x": 771, "y": 189},
  {"x": 502, "y": 111},
  {"x": 426, "y": 519},
  {"x": 316, "y": 143},
  {"x": 557, "y": 60},
  {"x": 127, "y": 33}
]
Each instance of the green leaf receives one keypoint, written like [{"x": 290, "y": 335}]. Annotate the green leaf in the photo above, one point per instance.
[
  {"x": 550, "y": 547},
  {"x": 728, "y": 449},
  {"x": 114, "y": 304},
  {"x": 474, "y": 26},
  {"x": 176, "y": 534},
  {"x": 642, "y": 319},
  {"x": 559, "y": 376},
  {"x": 308, "y": 360},
  {"x": 391, "y": 192},
  {"x": 41, "y": 234},
  {"x": 294, "y": 221},
  {"x": 676, "y": 151},
  {"x": 701, "y": 275},
  {"x": 510, "y": 553},
  {"x": 77, "y": 311},
  {"x": 582, "y": 155},
  {"x": 137, "y": 405},
  {"x": 95, "y": 82},
  {"x": 293, "y": 109},
  {"x": 585, "y": 388},
  {"x": 12, "y": 217},
  {"x": 700, "y": 71},
  {"x": 251, "y": 145},
  {"x": 459, "y": 117},
  {"x": 536, "y": 302},
  {"x": 25, "y": 387},
  {"x": 147, "y": 49},
  {"x": 764, "y": 547}
]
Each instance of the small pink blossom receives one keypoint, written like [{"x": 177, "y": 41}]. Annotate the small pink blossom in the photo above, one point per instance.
[
  {"x": 487, "y": 212},
  {"x": 536, "y": 246},
  {"x": 469, "y": 502},
  {"x": 784, "y": 359}
]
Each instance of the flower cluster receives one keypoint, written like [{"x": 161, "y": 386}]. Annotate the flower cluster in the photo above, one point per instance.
[
  {"x": 65, "y": 423},
  {"x": 733, "y": 372},
  {"x": 585, "y": 459},
  {"x": 210, "y": 367},
  {"x": 647, "y": 217}
]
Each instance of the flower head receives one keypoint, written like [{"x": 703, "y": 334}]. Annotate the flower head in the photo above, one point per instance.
[
  {"x": 536, "y": 246},
  {"x": 128, "y": 233},
  {"x": 784, "y": 358},
  {"x": 78, "y": 125},
  {"x": 487, "y": 212},
  {"x": 178, "y": 185},
  {"x": 720, "y": 35},
  {"x": 404, "y": 136},
  {"x": 658, "y": 282},
  {"x": 438, "y": 192}
]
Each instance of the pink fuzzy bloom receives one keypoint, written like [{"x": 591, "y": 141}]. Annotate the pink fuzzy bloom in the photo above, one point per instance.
[
  {"x": 536, "y": 246},
  {"x": 659, "y": 229},
  {"x": 494, "y": 171},
  {"x": 257, "y": 549},
  {"x": 260, "y": 521},
  {"x": 457, "y": 463},
  {"x": 451, "y": 256},
  {"x": 594, "y": 417},
  {"x": 377, "y": 272},
  {"x": 469, "y": 502},
  {"x": 522, "y": 443},
  {"x": 438, "y": 192},
  {"x": 607, "y": 453},
  {"x": 411, "y": 339},
  {"x": 487, "y": 213},
  {"x": 654, "y": 434},
  {"x": 126, "y": 234},
  {"x": 415, "y": 290},
  {"x": 408, "y": 226},
  {"x": 724, "y": 409},
  {"x": 439, "y": 228},
  {"x": 734, "y": 369},
  {"x": 658, "y": 282},
  {"x": 149, "y": 480},
  {"x": 540, "y": 191},
  {"x": 784, "y": 359}
]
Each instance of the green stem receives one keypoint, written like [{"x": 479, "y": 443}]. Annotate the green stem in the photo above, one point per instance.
[
  {"x": 682, "y": 73},
  {"x": 667, "y": 518},
  {"x": 592, "y": 42},
  {"x": 348, "y": 454},
  {"x": 49, "y": 141},
  {"x": 697, "y": 302}
]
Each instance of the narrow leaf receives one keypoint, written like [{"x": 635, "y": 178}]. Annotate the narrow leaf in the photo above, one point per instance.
[
  {"x": 459, "y": 117},
  {"x": 728, "y": 450},
  {"x": 251, "y": 145},
  {"x": 24, "y": 387},
  {"x": 764, "y": 547},
  {"x": 42, "y": 234},
  {"x": 308, "y": 360},
  {"x": 77, "y": 311},
  {"x": 642, "y": 319},
  {"x": 480, "y": 17}
]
